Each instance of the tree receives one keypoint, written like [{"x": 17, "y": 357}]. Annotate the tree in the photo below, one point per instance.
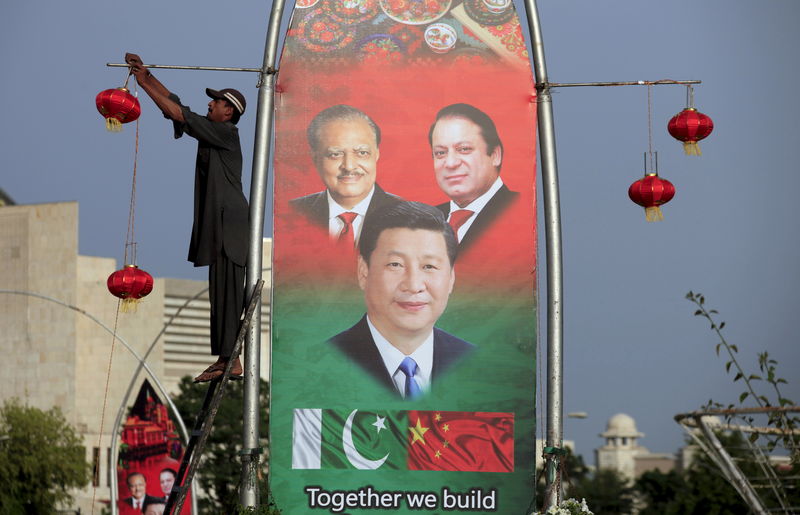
[
  {"x": 41, "y": 459},
  {"x": 660, "y": 492},
  {"x": 779, "y": 414},
  {"x": 221, "y": 469},
  {"x": 607, "y": 492},
  {"x": 699, "y": 490}
]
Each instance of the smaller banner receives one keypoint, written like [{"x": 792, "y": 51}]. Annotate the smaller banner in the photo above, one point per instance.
[{"x": 149, "y": 457}]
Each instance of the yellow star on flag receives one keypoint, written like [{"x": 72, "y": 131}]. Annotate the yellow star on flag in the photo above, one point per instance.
[
  {"x": 446, "y": 428},
  {"x": 445, "y": 444},
  {"x": 418, "y": 431},
  {"x": 437, "y": 417},
  {"x": 437, "y": 455}
]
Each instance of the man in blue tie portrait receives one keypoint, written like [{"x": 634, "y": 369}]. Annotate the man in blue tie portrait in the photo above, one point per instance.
[{"x": 406, "y": 261}]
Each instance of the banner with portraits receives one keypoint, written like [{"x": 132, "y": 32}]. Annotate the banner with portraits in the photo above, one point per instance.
[
  {"x": 149, "y": 457},
  {"x": 404, "y": 268}
]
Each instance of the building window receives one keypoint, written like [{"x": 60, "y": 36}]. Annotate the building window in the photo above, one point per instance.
[
  {"x": 624, "y": 440},
  {"x": 95, "y": 466}
]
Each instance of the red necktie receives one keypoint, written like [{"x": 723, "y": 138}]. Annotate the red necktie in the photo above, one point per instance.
[
  {"x": 346, "y": 235},
  {"x": 458, "y": 218}
]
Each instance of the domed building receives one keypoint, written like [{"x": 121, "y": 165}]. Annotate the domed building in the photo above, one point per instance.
[{"x": 623, "y": 453}]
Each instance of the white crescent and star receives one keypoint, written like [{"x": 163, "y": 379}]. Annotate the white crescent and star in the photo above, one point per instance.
[{"x": 353, "y": 456}]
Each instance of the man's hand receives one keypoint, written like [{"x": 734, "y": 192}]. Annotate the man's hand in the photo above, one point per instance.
[
  {"x": 137, "y": 67},
  {"x": 154, "y": 89}
]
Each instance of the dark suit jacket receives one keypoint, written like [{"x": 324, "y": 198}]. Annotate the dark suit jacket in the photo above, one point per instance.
[
  {"x": 358, "y": 345},
  {"x": 501, "y": 200},
  {"x": 147, "y": 499},
  {"x": 315, "y": 206}
]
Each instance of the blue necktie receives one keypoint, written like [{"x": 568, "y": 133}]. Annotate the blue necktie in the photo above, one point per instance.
[{"x": 409, "y": 367}]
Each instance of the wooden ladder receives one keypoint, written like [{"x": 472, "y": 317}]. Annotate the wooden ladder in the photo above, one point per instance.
[{"x": 205, "y": 418}]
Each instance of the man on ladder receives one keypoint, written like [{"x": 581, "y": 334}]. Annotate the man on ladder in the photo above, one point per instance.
[{"x": 221, "y": 214}]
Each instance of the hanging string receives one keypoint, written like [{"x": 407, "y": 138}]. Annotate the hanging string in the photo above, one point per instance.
[
  {"x": 105, "y": 402},
  {"x": 129, "y": 258},
  {"x": 689, "y": 97},
  {"x": 130, "y": 243},
  {"x": 650, "y": 129}
]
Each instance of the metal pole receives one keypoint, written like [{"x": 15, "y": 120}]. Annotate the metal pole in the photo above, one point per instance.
[
  {"x": 248, "y": 491},
  {"x": 552, "y": 215},
  {"x": 662, "y": 82},
  {"x": 731, "y": 471},
  {"x": 180, "y": 67}
]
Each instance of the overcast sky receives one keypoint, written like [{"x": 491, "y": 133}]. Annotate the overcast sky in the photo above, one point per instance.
[{"x": 631, "y": 342}]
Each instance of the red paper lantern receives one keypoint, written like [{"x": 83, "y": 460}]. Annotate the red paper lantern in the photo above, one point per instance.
[
  {"x": 118, "y": 107},
  {"x": 690, "y": 126},
  {"x": 130, "y": 284},
  {"x": 651, "y": 192}
]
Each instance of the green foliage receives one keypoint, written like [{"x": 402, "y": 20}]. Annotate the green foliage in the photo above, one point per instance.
[
  {"x": 221, "y": 469},
  {"x": 606, "y": 490},
  {"x": 782, "y": 426},
  {"x": 261, "y": 510},
  {"x": 700, "y": 490},
  {"x": 786, "y": 425},
  {"x": 661, "y": 492},
  {"x": 41, "y": 459}
]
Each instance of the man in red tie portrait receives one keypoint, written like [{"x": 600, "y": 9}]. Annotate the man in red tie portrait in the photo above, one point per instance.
[
  {"x": 137, "y": 485},
  {"x": 406, "y": 261},
  {"x": 467, "y": 157},
  {"x": 344, "y": 143}
]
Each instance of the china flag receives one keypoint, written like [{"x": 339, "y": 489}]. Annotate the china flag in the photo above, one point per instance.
[{"x": 461, "y": 441}]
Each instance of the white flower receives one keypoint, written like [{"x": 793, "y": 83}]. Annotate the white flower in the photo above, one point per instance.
[{"x": 568, "y": 507}]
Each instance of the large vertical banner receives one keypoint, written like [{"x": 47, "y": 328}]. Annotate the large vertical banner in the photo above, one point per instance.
[{"x": 404, "y": 302}]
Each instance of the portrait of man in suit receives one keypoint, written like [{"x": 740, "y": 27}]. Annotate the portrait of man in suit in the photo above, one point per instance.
[
  {"x": 406, "y": 261},
  {"x": 344, "y": 143},
  {"x": 166, "y": 479},
  {"x": 137, "y": 485},
  {"x": 155, "y": 508},
  {"x": 467, "y": 157}
]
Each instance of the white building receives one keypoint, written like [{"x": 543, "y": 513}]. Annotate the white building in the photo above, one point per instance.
[
  {"x": 53, "y": 309},
  {"x": 623, "y": 453}
]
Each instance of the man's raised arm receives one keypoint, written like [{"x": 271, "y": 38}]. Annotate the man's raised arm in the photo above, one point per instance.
[{"x": 154, "y": 89}]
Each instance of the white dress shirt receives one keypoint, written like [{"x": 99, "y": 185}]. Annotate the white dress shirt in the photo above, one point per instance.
[
  {"x": 475, "y": 206},
  {"x": 392, "y": 357},
  {"x": 335, "y": 224}
]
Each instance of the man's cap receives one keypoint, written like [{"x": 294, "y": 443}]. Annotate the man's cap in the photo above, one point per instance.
[{"x": 231, "y": 95}]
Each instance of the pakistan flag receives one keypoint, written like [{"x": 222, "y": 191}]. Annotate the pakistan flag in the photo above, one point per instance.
[{"x": 407, "y": 440}]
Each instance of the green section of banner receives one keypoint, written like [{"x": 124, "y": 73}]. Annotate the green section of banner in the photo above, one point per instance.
[
  {"x": 322, "y": 377},
  {"x": 498, "y": 377}
]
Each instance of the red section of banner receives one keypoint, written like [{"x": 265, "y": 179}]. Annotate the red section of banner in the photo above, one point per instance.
[
  {"x": 404, "y": 107},
  {"x": 461, "y": 441}
]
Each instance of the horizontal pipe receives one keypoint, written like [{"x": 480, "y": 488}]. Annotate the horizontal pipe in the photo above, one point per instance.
[
  {"x": 739, "y": 411},
  {"x": 628, "y": 83},
  {"x": 179, "y": 67}
]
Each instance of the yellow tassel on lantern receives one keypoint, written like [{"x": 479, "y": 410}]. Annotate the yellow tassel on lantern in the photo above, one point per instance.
[
  {"x": 129, "y": 305},
  {"x": 653, "y": 214},
  {"x": 113, "y": 125},
  {"x": 691, "y": 148}
]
